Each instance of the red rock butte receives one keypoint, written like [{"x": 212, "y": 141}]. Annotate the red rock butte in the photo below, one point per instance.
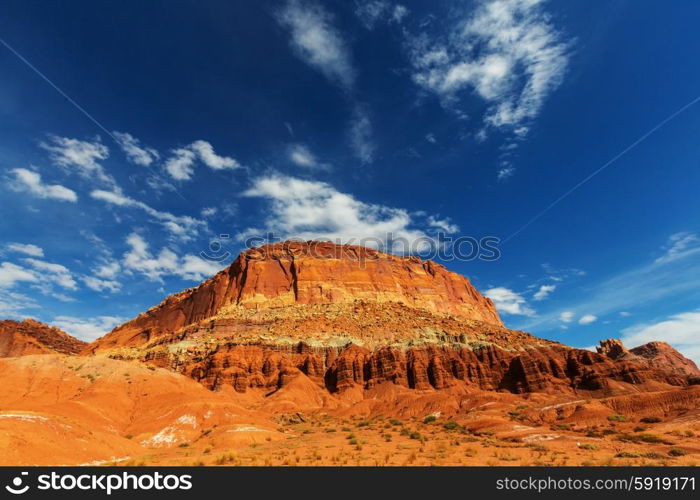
[
  {"x": 312, "y": 274},
  {"x": 351, "y": 318}
]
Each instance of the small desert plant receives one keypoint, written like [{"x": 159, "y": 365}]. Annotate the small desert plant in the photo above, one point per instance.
[
  {"x": 618, "y": 418},
  {"x": 588, "y": 446},
  {"x": 650, "y": 420},
  {"x": 429, "y": 419},
  {"x": 677, "y": 452}
]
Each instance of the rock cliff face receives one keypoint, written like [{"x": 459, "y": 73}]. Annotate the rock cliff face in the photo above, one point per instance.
[
  {"x": 351, "y": 318},
  {"x": 308, "y": 274},
  {"x": 554, "y": 369},
  {"x": 33, "y": 337}
]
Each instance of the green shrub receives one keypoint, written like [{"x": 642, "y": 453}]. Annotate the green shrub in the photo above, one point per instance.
[
  {"x": 677, "y": 452},
  {"x": 618, "y": 418},
  {"x": 650, "y": 420},
  {"x": 429, "y": 419}
]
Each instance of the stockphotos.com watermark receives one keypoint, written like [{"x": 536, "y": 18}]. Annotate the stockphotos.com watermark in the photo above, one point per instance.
[
  {"x": 442, "y": 247},
  {"x": 101, "y": 483}
]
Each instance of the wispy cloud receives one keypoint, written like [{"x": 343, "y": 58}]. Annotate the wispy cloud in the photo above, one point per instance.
[
  {"x": 372, "y": 12},
  {"x": 181, "y": 162},
  {"x": 37, "y": 274},
  {"x": 444, "y": 224},
  {"x": 659, "y": 280},
  {"x": 566, "y": 316},
  {"x": 544, "y": 292},
  {"x": 183, "y": 227},
  {"x": 133, "y": 149},
  {"x": 25, "y": 248},
  {"x": 14, "y": 304},
  {"x": 87, "y": 329},
  {"x": 317, "y": 41},
  {"x": 10, "y": 274},
  {"x": 54, "y": 273},
  {"x": 587, "y": 319},
  {"x": 509, "y": 302},
  {"x": 679, "y": 246},
  {"x": 302, "y": 156},
  {"x": 507, "y": 51},
  {"x": 167, "y": 263},
  {"x": 81, "y": 157},
  {"x": 680, "y": 330},
  {"x": 361, "y": 135},
  {"x": 24, "y": 180},
  {"x": 313, "y": 210}
]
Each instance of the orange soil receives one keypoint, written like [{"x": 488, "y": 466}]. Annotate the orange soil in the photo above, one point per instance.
[{"x": 64, "y": 410}]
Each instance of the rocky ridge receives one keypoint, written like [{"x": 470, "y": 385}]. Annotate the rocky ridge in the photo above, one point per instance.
[
  {"x": 33, "y": 337},
  {"x": 351, "y": 318}
]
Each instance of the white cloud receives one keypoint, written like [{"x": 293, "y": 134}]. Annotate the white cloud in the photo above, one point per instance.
[
  {"x": 79, "y": 156},
  {"x": 106, "y": 271},
  {"x": 101, "y": 285},
  {"x": 509, "y": 302},
  {"x": 302, "y": 156},
  {"x": 181, "y": 162},
  {"x": 361, "y": 135},
  {"x": 206, "y": 154},
  {"x": 209, "y": 211},
  {"x": 566, "y": 316},
  {"x": 316, "y": 40},
  {"x": 87, "y": 329},
  {"x": 682, "y": 331},
  {"x": 13, "y": 305},
  {"x": 183, "y": 227},
  {"x": 179, "y": 165},
  {"x": 12, "y": 273},
  {"x": 55, "y": 273},
  {"x": 506, "y": 172},
  {"x": 315, "y": 210},
  {"x": 430, "y": 137},
  {"x": 399, "y": 13},
  {"x": 679, "y": 246},
  {"x": 29, "y": 181},
  {"x": 625, "y": 314},
  {"x": 442, "y": 224},
  {"x": 506, "y": 51},
  {"x": 544, "y": 292},
  {"x": 190, "y": 267},
  {"x": 587, "y": 319},
  {"x": 640, "y": 286},
  {"x": 134, "y": 151},
  {"x": 371, "y": 12},
  {"x": 27, "y": 249}
]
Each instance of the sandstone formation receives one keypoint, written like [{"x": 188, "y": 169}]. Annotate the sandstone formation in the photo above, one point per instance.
[
  {"x": 33, "y": 337},
  {"x": 307, "y": 274},
  {"x": 352, "y": 318},
  {"x": 654, "y": 354}
]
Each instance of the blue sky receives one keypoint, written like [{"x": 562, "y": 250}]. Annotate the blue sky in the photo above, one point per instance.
[{"x": 135, "y": 134}]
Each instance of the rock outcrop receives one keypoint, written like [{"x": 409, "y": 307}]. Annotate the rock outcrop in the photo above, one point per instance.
[
  {"x": 33, "y": 337},
  {"x": 309, "y": 274},
  {"x": 352, "y": 318},
  {"x": 658, "y": 355},
  {"x": 551, "y": 369}
]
